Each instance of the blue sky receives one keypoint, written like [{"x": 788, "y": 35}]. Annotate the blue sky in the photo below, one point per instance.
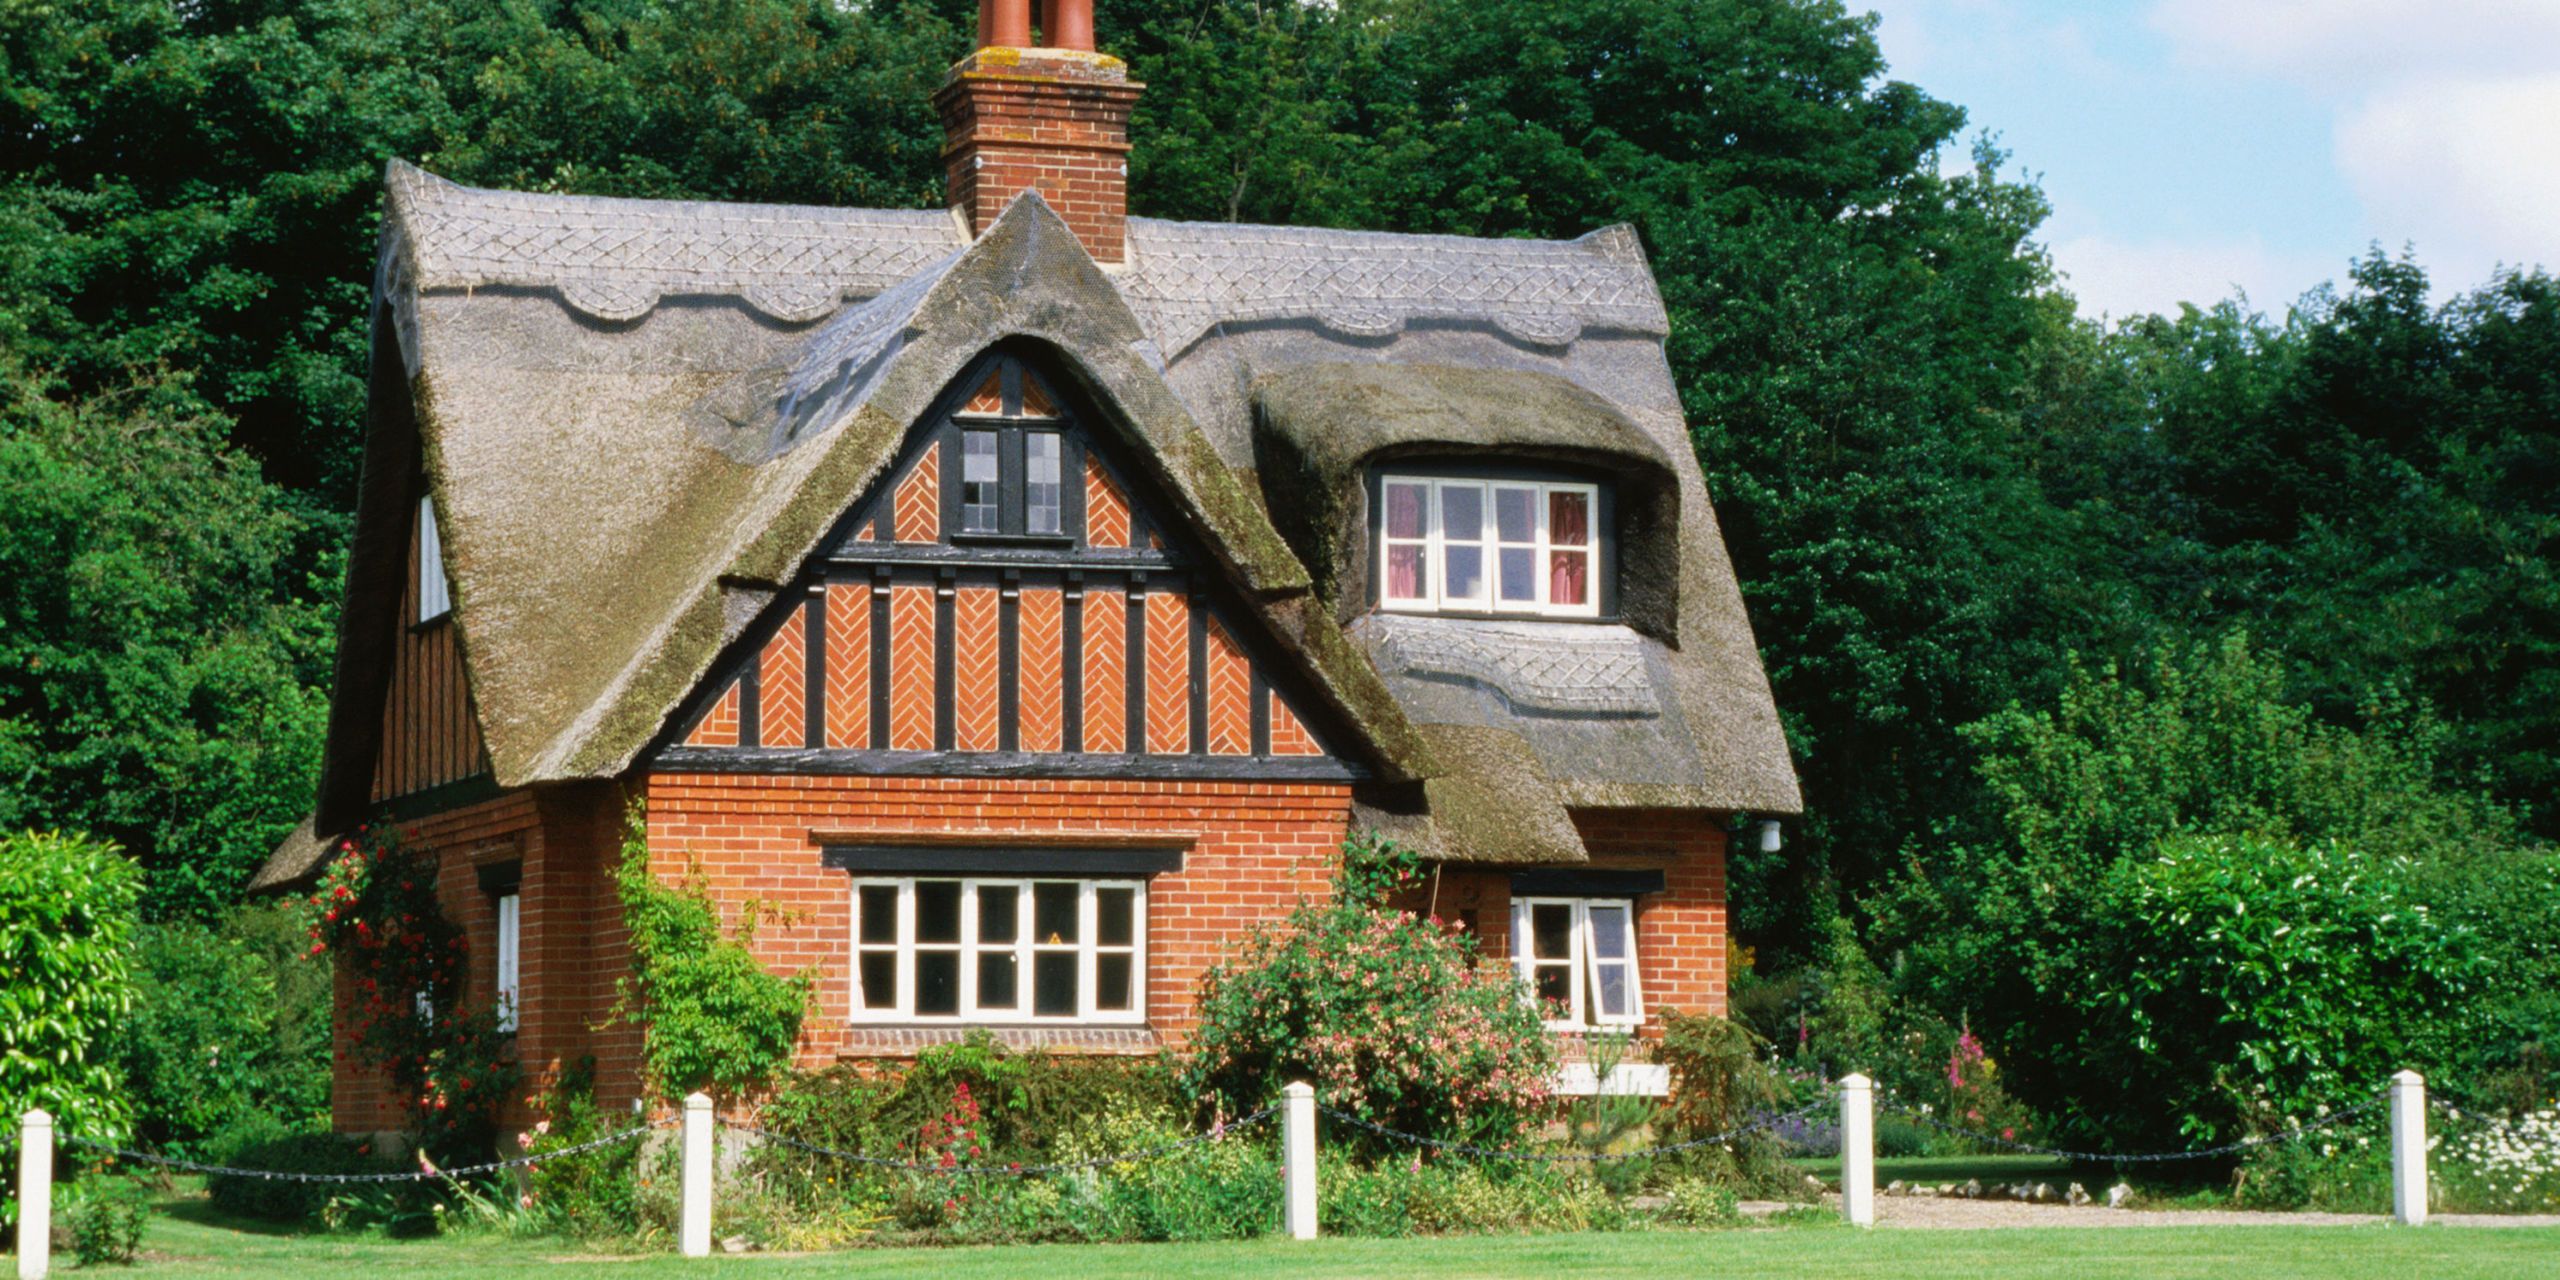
[{"x": 2192, "y": 148}]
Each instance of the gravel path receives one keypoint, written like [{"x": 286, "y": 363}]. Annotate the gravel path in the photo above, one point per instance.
[{"x": 1937, "y": 1213}]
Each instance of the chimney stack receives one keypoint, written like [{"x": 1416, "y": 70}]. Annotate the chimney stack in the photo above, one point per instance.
[{"x": 1052, "y": 118}]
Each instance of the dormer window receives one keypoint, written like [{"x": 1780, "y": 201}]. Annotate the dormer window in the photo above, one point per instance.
[{"x": 1464, "y": 544}]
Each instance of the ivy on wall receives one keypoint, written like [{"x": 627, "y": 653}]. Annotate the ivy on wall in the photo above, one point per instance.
[{"x": 714, "y": 1018}]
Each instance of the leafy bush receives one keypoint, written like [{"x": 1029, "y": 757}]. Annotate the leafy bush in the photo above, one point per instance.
[
  {"x": 263, "y": 1143},
  {"x": 1390, "y": 1016},
  {"x": 66, "y": 978},
  {"x": 2196, "y": 884},
  {"x": 106, "y": 1217},
  {"x": 229, "y": 1020},
  {"x": 1408, "y": 1197},
  {"x": 1700, "y": 1202},
  {"x": 1719, "y": 1081},
  {"x": 714, "y": 1018},
  {"x": 591, "y": 1193}
]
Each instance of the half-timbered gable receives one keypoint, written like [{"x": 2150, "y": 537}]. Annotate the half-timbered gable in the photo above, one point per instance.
[{"x": 1009, "y": 599}]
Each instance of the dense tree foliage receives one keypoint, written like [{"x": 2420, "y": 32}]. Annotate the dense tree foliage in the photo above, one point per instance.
[{"x": 1936, "y": 484}]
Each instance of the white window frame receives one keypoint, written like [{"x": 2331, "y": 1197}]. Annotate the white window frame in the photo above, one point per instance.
[
  {"x": 1584, "y": 962},
  {"x": 1487, "y": 598},
  {"x": 1087, "y": 948},
  {"x": 435, "y": 591},
  {"x": 510, "y": 913}
]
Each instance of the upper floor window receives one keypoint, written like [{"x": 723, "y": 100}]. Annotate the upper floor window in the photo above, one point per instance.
[
  {"x": 1012, "y": 480},
  {"x": 1466, "y": 545},
  {"x": 435, "y": 593}
]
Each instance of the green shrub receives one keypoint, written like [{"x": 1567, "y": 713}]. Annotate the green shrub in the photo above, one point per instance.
[
  {"x": 1389, "y": 1016},
  {"x": 1701, "y": 1202},
  {"x": 106, "y": 1217},
  {"x": 593, "y": 1192},
  {"x": 1408, "y": 1197},
  {"x": 66, "y": 979},
  {"x": 1719, "y": 1081},
  {"x": 264, "y": 1144},
  {"x": 229, "y": 1020},
  {"x": 713, "y": 1017}
]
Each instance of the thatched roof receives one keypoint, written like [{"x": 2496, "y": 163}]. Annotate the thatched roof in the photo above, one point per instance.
[
  {"x": 295, "y": 863},
  {"x": 638, "y": 417}
]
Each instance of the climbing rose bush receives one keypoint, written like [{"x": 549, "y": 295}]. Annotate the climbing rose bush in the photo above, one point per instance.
[
  {"x": 1392, "y": 1017},
  {"x": 406, "y": 968}
]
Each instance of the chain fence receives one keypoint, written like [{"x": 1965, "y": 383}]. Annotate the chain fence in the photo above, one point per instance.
[
  {"x": 2332, "y": 1119},
  {"x": 1214, "y": 1133},
  {"x": 425, "y": 1173},
  {"x": 1771, "y": 1121}
]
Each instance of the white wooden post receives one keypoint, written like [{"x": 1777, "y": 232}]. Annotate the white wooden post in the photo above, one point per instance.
[
  {"x": 694, "y": 1235},
  {"x": 1298, "y": 1156},
  {"x": 35, "y": 1195},
  {"x": 2409, "y": 1148},
  {"x": 1858, "y": 1150}
]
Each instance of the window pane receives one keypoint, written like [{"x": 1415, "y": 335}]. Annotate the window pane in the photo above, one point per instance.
[
  {"x": 1462, "y": 513},
  {"x": 1404, "y": 510},
  {"x": 1465, "y": 576},
  {"x": 999, "y": 980},
  {"x": 879, "y": 908},
  {"x": 999, "y": 912},
  {"x": 937, "y": 983},
  {"x": 1111, "y": 983},
  {"x": 1040, "y": 482},
  {"x": 1520, "y": 574},
  {"x": 879, "y": 980},
  {"x": 1608, "y": 931},
  {"x": 1610, "y": 990},
  {"x": 1555, "y": 985},
  {"x": 1551, "y": 931},
  {"x": 937, "y": 911},
  {"x": 1404, "y": 573},
  {"x": 978, "y": 476},
  {"x": 1569, "y": 518},
  {"x": 1053, "y": 984},
  {"x": 1568, "y": 575},
  {"x": 1117, "y": 926},
  {"x": 1515, "y": 514},
  {"x": 1053, "y": 912}
]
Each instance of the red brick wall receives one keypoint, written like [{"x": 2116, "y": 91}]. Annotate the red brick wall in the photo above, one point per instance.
[
  {"x": 1257, "y": 848},
  {"x": 1680, "y": 932}
]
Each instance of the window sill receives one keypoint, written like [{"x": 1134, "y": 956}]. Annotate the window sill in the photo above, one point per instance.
[
  {"x": 879, "y": 1041},
  {"x": 444, "y": 619},
  {"x": 1507, "y": 615}
]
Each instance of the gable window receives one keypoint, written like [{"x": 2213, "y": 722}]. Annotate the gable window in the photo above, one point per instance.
[
  {"x": 999, "y": 950},
  {"x": 1577, "y": 957},
  {"x": 435, "y": 593},
  {"x": 1469, "y": 545}
]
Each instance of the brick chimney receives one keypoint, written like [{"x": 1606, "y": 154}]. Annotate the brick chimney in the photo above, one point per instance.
[{"x": 1052, "y": 118}]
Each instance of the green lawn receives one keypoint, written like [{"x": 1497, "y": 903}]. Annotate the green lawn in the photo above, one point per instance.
[{"x": 193, "y": 1245}]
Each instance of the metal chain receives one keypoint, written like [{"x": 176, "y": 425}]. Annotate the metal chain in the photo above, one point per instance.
[
  {"x": 2337, "y": 1117},
  {"x": 1572, "y": 1157},
  {"x": 421, "y": 1175},
  {"x": 1004, "y": 1171}
]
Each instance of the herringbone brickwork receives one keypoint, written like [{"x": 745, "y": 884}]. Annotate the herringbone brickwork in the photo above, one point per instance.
[
  {"x": 974, "y": 649},
  {"x": 848, "y": 665}
]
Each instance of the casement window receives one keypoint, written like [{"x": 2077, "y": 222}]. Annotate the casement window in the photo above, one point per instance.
[
  {"x": 1467, "y": 545},
  {"x": 1012, "y": 480},
  {"x": 1577, "y": 957},
  {"x": 510, "y": 952},
  {"x": 435, "y": 593},
  {"x": 999, "y": 950}
]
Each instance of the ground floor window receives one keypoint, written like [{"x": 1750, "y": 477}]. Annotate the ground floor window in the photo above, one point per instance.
[
  {"x": 510, "y": 956},
  {"x": 999, "y": 950},
  {"x": 1578, "y": 959}
]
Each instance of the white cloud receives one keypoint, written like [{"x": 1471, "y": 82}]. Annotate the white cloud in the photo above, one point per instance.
[
  {"x": 2120, "y": 278},
  {"x": 2347, "y": 46},
  {"x": 2445, "y": 114},
  {"x": 2471, "y": 168}
]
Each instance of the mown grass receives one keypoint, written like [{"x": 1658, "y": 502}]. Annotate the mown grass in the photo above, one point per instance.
[{"x": 191, "y": 1241}]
